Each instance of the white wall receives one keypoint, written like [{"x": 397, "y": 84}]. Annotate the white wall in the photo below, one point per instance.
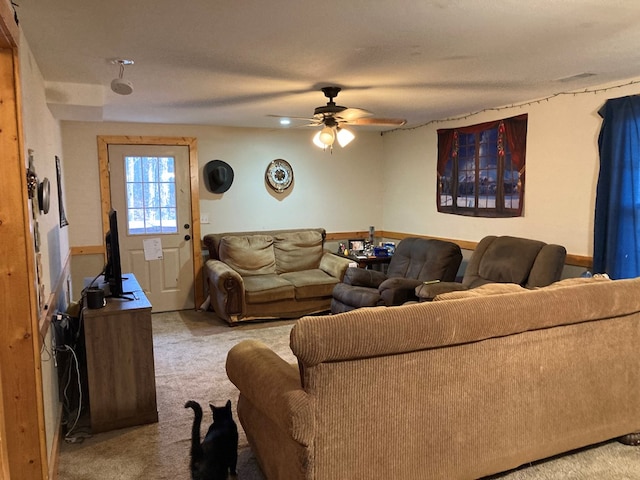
[
  {"x": 341, "y": 191},
  {"x": 562, "y": 165}
]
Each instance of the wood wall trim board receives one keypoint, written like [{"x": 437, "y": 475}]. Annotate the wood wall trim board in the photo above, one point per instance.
[
  {"x": 9, "y": 30},
  {"x": 23, "y": 453},
  {"x": 105, "y": 190},
  {"x": 88, "y": 250}
]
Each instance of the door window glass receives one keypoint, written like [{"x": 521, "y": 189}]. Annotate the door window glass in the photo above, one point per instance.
[{"x": 150, "y": 184}]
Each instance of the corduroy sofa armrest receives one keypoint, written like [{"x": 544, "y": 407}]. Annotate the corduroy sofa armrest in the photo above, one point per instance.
[
  {"x": 226, "y": 289},
  {"x": 334, "y": 265},
  {"x": 272, "y": 386}
]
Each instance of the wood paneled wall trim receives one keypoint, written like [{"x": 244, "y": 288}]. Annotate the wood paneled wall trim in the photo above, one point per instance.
[
  {"x": 572, "y": 259},
  {"x": 88, "y": 250},
  {"x": 9, "y": 34},
  {"x": 23, "y": 449}
]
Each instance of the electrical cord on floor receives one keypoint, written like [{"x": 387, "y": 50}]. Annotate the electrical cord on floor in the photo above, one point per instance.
[{"x": 71, "y": 436}]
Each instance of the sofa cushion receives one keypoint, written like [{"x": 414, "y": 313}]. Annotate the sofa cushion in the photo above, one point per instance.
[
  {"x": 249, "y": 255},
  {"x": 498, "y": 265},
  {"x": 267, "y": 288},
  {"x": 311, "y": 283},
  {"x": 297, "y": 251}
]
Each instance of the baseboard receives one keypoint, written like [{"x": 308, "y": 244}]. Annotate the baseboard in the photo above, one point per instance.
[{"x": 55, "y": 447}]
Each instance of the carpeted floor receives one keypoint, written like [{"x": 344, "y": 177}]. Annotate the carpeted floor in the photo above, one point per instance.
[{"x": 190, "y": 350}]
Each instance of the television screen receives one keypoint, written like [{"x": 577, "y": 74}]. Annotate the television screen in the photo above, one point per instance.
[{"x": 113, "y": 269}]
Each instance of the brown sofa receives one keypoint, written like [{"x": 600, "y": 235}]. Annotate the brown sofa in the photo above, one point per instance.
[
  {"x": 270, "y": 274},
  {"x": 455, "y": 389}
]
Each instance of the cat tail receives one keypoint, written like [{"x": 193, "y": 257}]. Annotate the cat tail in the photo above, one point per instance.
[{"x": 196, "y": 449}]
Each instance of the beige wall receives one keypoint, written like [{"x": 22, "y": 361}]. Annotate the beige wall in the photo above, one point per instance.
[
  {"x": 42, "y": 135},
  {"x": 340, "y": 191},
  {"x": 387, "y": 181},
  {"x": 561, "y": 174}
]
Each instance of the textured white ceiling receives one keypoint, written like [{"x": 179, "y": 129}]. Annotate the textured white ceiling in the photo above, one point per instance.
[{"x": 234, "y": 63}]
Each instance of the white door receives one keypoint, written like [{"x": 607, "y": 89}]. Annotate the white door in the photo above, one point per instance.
[{"x": 150, "y": 190}]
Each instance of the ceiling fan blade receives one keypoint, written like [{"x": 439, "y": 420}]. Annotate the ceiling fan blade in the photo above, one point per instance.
[
  {"x": 349, "y": 114},
  {"x": 381, "y": 122},
  {"x": 292, "y": 118}
]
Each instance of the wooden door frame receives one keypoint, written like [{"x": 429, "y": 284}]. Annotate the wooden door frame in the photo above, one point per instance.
[
  {"x": 105, "y": 192},
  {"x": 23, "y": 449}
]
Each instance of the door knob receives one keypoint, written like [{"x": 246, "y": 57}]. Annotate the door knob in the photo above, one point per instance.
[
  {"x": 187, "y": 237},
  {"x": 186, "y": 225}
]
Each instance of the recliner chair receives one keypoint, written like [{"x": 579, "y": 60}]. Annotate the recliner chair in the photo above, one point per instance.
[
  {"x": 528, "y": 263},
  {"x": 415, "y": 260}
]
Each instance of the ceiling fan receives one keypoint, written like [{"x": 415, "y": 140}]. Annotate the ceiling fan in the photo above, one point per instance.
[{"x": 333, "y": 118}]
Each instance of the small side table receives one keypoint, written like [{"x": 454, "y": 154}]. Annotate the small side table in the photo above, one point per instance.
[{"x": 377, "y": 263}]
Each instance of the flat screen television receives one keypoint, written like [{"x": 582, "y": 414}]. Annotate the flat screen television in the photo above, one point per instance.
[{"x": 113, "y": 268}]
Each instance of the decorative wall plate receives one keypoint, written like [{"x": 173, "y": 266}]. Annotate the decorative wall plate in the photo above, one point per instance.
[
  {"x": 44, "y": 195},
  {"x": 279, "y": 175}
]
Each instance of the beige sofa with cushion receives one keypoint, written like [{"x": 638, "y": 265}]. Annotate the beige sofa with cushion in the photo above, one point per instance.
[
  {"x": 455, "y": 389},
  {"x": 271, "y": 274}
]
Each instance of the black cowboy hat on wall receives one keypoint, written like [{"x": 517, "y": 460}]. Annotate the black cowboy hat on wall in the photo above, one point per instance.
[{"x": 218, "y": 176}]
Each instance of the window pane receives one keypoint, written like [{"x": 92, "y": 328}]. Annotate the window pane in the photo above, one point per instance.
[
  {"x": 135, "y": 198},
  {"x": 150, "y": 169},
  {"x": 152, "y": 220},
  {"x": 151, "y": 195},
  {"x": 167, "y": 195},
  {"x": 169, "y": 221}
]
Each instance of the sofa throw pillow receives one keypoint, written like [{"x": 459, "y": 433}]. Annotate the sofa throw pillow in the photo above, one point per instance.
[
  {"x": 296, "y": 251},
  {"x": 249, "y": 254}
]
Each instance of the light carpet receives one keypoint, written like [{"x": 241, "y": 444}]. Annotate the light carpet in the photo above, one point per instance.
[{"x": 190, "y": 349}]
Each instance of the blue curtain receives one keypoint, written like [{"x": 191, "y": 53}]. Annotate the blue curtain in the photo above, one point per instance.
[{"x": 617, "y": 217}]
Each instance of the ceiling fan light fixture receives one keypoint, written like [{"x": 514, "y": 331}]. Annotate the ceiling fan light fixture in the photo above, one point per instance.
[
  {"x": 317, "y": 142},
  {"x": 345, "y": 136},
  {"x": 327, "y": 136}
]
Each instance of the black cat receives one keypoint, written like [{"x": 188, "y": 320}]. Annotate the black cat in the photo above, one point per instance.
[{"x": 217, "y": 455}]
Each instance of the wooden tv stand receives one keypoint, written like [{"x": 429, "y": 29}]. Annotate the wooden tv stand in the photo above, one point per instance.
[{"x": 120, "y": 366}]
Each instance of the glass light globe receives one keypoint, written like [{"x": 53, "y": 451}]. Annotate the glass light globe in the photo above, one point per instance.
[
  {"x": 327, "y": 136},
  {"x": 345, "y": 137}
]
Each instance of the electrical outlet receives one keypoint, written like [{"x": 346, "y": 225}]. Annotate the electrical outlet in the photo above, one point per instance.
[{"x": 204, "y": 218}]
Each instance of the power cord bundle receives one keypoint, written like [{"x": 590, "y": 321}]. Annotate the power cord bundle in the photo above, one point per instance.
[{"x": 67, "y": 341}]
